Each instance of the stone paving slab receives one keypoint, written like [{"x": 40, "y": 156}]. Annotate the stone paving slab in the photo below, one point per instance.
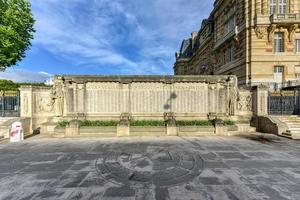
[{"x": 151, "y": 168}]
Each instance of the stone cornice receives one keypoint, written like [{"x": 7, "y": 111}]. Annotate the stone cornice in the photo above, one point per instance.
[
  {"x": 131, "y": 79},
  {"x": 34, "y": 87}
]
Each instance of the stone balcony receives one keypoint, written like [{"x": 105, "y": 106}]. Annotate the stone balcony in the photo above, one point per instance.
[
  {"x": 226, "y": 37},
  {"x": 285, "y": 18}
]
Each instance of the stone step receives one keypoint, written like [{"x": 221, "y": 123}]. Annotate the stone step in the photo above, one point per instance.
[
  {"x": 290, "y": 119},
  {"x": 291, "y": 136},
  {"x": 287, "y": 118},
  {"x": 288, "y": 135},
  {"x": 292, "y": 122},
  {"x": 293, "y": 129}
]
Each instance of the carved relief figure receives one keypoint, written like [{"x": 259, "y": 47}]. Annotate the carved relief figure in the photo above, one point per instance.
[
  {"x": 271, "y": 31},
  {"x": 232, "y": 99},
  {"x": 260, "y": 32},
  {"x": 292, "y": 31},
  {"x": 43, "y": 104},
  {"x": 58, "y": 99},
  {"x": 245, "y": 102}
]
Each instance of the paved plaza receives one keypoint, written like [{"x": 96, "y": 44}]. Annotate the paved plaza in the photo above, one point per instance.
[{"x": 243, "y": 167}]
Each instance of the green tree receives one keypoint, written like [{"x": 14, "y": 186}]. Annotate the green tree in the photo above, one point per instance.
[
  {"x": 16, "y": 31},
  {"x": 7, "y": 85}
]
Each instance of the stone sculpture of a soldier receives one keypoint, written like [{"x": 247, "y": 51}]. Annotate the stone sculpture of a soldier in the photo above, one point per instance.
[
  {"x": 232, "y": 97},
  {"x": 58, "y": 100}
]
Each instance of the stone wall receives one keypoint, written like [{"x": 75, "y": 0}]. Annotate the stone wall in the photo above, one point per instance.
[
  {"x": 36, "y": 104},
  {"x": 143, "y": 97}
]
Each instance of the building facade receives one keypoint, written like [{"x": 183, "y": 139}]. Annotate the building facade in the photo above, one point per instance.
[{"x": 256, "y": 40}]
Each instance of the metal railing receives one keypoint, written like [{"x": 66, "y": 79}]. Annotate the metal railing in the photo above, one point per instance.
[
  {"x": 9, "y": 104},
  {"x": 286, "y": 18},
  {"x": 276, "y": 86}
]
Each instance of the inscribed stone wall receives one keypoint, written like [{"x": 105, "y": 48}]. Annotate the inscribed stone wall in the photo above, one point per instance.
[{"x": 107, "y": 97}]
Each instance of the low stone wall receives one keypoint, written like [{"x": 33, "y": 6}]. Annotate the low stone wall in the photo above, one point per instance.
[
  {"x": 196, "y": 130},
  {"x": 266, "y": 125},
  {"x": 74, "y": 130}
]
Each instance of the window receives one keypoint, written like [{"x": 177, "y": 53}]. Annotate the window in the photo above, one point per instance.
[
  {"x": 230, "y": 25},
  {"x": 297, "y": 72},
  {"x": 282, "y": 6},
  {"x": 278, "y": 42},
  {"x": 228, "y": 55},
  {"x": 297, "y": 45},
  {"x": 278, "y": 69},
  {"x": 273, "y": 6}
]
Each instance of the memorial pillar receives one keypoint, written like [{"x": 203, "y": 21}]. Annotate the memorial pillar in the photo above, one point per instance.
[{"x": 260, "y": 101}]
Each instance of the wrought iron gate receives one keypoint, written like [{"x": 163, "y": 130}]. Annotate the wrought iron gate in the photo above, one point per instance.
[
  {"x": 284, "y": 103},
  {"x": 9, "y": 104}
]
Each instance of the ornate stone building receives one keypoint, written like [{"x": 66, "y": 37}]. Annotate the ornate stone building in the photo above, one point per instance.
[{"x": 256, "y": 40}]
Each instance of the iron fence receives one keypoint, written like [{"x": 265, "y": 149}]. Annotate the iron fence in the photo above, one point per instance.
[
  {"x": 9, "y": 104},
  {"x": 284, "y": 103}
]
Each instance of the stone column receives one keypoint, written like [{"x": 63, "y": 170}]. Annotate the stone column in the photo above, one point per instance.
[{"x": 260, "y": 101}]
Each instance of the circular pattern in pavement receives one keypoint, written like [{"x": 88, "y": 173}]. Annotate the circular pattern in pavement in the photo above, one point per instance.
[{"x": 161, "y": 167}]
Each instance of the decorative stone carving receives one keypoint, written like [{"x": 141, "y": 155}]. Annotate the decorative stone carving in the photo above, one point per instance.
[
  {"x": 261, "y": 32},
  {"x": 125, "y": 119},
  {"x": 170, "y": 119},
  {"x": 58, "y": 99},
  {"x": 292, "y": 31},
  {"x": 271, "y": 31},
  {"x": 43, "y": 104},
  {"x": 245, "y": 101}
]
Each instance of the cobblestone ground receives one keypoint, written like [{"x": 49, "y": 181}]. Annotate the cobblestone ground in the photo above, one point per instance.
[{"x": 245, "y": 167}]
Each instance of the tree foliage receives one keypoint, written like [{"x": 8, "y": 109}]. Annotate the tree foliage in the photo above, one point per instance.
[
  {"x": 16, "y": 31},
  {"x": 7, "y": 85}
]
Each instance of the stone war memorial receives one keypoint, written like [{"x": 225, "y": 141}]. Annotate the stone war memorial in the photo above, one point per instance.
[{"x": 123, "y": 99}]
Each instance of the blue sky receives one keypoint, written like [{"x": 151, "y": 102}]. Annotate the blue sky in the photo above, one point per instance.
[{"x": 107, "y": 36}]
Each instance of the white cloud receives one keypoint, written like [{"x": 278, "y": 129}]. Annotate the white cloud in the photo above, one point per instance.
[
  {"x": 20, "y": 75},
  {"x": 133, "y": 36}
]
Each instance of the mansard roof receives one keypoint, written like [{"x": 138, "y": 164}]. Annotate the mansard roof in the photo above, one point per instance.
[{"x": 186, "y": 48}]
